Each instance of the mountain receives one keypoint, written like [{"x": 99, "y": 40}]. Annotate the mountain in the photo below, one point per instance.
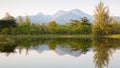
[
  {"x": 118, "y": 18},
  {"x": 75, "y": 14},
  {"x": 81, "y": 14},
  {"x": 59, "y": 13},
  {"x": 39, "y": 18},
  {"x": 61, "y": 17}
]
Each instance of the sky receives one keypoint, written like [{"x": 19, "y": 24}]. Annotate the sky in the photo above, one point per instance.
[{"x": 32, "y": 7}]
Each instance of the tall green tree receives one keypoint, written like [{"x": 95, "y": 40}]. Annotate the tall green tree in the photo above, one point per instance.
[{"x": 102, "y": 19}]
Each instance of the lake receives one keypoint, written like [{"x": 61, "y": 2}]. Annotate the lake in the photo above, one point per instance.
[{"x": 60, "y": 53}]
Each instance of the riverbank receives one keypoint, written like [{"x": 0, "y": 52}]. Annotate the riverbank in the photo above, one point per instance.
[
  {"x": 50, "y": 36},
  {"x": 59, "y": 36},
  {"x": 114, "y": 36}
]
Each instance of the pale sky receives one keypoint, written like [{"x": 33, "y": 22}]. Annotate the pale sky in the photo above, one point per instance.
[{"x": 32, "y": 7}]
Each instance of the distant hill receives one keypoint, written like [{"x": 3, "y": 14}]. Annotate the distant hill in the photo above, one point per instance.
[
  {"x": 118, "y": 18},
  {"x": 60, "y": 17}
]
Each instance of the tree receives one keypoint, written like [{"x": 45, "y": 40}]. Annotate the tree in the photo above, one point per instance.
[
  {"x": 102, "y": 20},
  {"x": 7, "y": 22},
  {"x": 20, "y": 21},
  {"x": 102, "y": 52},
  {"x": 115, "y": 26},
  {"x": 27, "y": 22},
  {"x": 8, "y": 17},
  {"x": 74, "y": 23},
  {"x": 85, "y": 21},
  {"x": 52, "y": 24},
  {"x": 114, "y": 21}
]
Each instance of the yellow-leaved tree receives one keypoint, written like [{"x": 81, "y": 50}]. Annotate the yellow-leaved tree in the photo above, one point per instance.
[{"x": 102, "y": 20}]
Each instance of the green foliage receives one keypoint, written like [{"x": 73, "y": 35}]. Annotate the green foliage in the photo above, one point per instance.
[
  {"x": 81, "y": 26},
  {"x": 7, "y": 23},
  {"x": 74, "y": 27},
  {"x": 115, "y": 25}
]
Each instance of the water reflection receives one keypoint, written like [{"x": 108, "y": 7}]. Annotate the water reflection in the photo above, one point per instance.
[{"x": 103, "y": 48}]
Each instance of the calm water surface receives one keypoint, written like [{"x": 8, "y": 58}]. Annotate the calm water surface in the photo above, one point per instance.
[{"x": 60, "y": 53}]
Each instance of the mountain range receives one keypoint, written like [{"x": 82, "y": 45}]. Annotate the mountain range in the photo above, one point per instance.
[
  {"x": 62, "y": 17},
  {"x": 118, "y": 18}
]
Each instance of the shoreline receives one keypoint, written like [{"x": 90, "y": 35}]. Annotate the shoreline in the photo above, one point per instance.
[{"x": 117, "y": 36}]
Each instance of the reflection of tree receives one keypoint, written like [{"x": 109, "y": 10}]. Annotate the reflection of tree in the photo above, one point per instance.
[
  {"x": 102, "y": 51},
  {"x": 51, "y": 46},
  {"x": 103, "y": 47},
  {"x": 75, "y": 44},
  {"x": 81, "y": 44},
  {"x": 7, "y": 48}
]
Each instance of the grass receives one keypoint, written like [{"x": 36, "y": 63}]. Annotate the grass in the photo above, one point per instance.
[
  {"x": 51, "y": 36},
  {"x": 58, "y": 36},
  {"x": 114, "y": 36}
]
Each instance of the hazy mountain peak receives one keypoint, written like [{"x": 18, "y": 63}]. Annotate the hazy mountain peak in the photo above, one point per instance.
[
  {"x": 78, "y": 12},
  {"x": 59, "y": 13},
  {"x": 61, "y": 17}
]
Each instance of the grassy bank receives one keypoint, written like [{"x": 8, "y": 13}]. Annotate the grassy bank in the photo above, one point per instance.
[
  {"x": 114, "y": 36},
  {"x": 51, "y": 36},
  {"x": 58, "y": 36}
]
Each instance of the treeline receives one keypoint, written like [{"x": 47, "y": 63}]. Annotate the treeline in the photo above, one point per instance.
[
  {"x": 10, "y": 26},
  {"x": 102, "y": 25}
]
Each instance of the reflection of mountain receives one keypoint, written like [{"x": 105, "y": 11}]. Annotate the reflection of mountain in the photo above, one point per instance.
[
  {"x": 41, "y": 48},
  {"x": 60, "y": 50}
]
